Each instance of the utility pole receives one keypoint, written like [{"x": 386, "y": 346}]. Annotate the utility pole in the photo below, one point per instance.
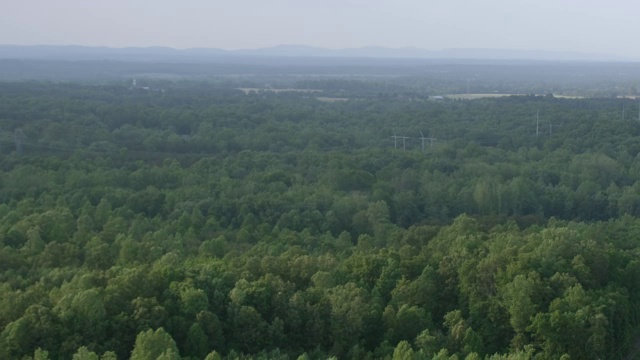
[
  {"x": 395, "y": 140},
  {"x": 404, "y": 142},
  {"x": 551, "y": 126},
  {"x": 431, "y": 139}
]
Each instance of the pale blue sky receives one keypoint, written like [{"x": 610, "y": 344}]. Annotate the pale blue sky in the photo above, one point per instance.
[{"x": 569, "y": 25}]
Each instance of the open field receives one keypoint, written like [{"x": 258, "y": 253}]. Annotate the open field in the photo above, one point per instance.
[
  {"x": 476, "y": 96},
  {"x": 497, "y": 95},
  {"x": 331, "y": 99},
  {"x": 568, "y": 96},
  {"x": 248, "y": 90}
]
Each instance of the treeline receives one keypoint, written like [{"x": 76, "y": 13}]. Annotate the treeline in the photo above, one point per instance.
[{"x": 202, "y": 222}]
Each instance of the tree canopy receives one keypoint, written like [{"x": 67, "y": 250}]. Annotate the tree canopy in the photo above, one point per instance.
[{"x": 203, "y": 222}]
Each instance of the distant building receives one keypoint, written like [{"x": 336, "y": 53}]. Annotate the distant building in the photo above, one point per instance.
[{"x": 134, "y": 85}]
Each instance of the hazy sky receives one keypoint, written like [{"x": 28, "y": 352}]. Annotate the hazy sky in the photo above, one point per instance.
[{"x": 592, "y": 26}]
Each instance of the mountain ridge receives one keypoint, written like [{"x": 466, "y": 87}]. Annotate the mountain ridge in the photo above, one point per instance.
[{"x": 79, "y": 52}]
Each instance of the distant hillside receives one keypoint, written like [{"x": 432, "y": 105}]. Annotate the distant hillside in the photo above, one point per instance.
[{"x": 165, "y": 54}]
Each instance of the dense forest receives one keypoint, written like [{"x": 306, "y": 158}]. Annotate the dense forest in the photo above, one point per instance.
[{"x": 193, "y": 220}]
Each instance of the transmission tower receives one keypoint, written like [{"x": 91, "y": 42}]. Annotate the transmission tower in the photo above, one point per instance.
[
  {"x": 551, "y": 126},
  {"x": 431, "y": 140},
  {"x": 404, "y": 142},
  {"x": 395, "y": 140}
]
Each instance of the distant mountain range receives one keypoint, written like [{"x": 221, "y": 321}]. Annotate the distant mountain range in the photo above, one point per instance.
[{"x": 166, "y": 54}]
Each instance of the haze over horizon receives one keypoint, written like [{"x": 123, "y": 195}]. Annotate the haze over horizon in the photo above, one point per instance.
[{"x": 591, "y": 27}]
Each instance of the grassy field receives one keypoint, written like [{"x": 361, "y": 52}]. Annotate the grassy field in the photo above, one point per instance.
[
  {"x": 569, "y": 96},
  {"x": 248, "y": 90},
  {"x": 496, "y": 95},
  {"x": 476, "y": 96},
  {"x": 331, "y": 99}
]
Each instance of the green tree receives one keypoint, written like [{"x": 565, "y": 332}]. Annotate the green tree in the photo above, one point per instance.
[
  {"x": 153, "y": 345},
  {"x": 196, "y": 343},
  {"x": 213, "y": 356},
  {"x": 403, "y": 351},
  {"x": 85, "y": 354},
  {"x": 40, "y": 354}
]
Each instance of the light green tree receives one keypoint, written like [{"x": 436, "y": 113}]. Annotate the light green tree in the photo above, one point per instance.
[
  {"x": 85, "y": 354},
  {"x": 153, "y": 345},
  {"x": 403, "y": 351}
]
